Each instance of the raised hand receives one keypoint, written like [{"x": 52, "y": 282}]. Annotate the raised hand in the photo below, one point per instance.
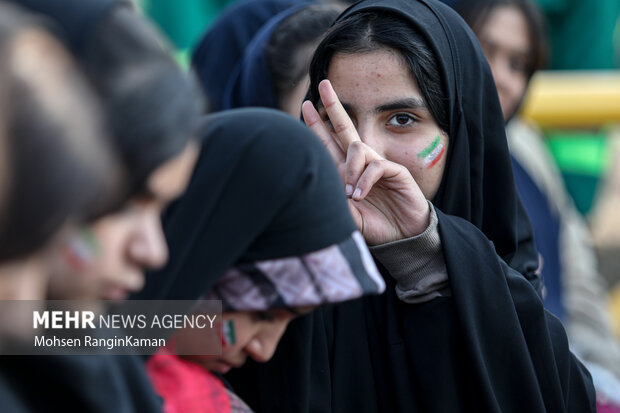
[{"x": 385, "y": 201}]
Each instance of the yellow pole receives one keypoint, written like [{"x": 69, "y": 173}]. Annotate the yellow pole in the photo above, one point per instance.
[{"x": 580, "y": 99}]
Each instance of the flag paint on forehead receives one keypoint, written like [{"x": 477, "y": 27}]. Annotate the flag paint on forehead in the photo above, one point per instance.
[{"x": 432, "y": 153}]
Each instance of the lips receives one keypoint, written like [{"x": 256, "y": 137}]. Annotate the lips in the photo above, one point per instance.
[{"x": 223, "y": 366}]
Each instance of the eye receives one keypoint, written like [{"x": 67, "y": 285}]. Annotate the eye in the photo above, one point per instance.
[
  {"x": 264, "y": 316},
  {"x": 401, "y": 120},
  {"x": 519, "y": 66}
]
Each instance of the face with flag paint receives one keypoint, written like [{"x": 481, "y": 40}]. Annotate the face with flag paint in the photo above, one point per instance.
[
  {"x": 247, "y": 333},
  {"x": 106, "y": 259},
  {"x": 382, "y": 97}
]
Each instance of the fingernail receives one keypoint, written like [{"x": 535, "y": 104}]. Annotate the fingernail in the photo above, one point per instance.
[
  {"x": 357, "y": 193},
  {"x": 348, "y": 189}
]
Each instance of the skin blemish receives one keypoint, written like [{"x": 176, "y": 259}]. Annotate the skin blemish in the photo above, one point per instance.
[{"x": 432, "y": 153}]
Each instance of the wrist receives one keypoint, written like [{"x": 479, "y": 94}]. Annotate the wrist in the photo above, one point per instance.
[{"x": 418, "y": 225}]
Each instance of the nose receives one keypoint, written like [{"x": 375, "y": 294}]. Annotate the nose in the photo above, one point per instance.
[
  {"x": 369, "y": 136},
  {"x": 502, "y": 75},
  {"x": 148, "y": 246},
  {"x": 262, "y": 347},
  {"x": 500, "y": 67}
]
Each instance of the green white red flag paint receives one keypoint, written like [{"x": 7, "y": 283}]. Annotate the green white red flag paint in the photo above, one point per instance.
[
  {"x": 432, "y": 153},
  {"x": 228, "y": 333}
]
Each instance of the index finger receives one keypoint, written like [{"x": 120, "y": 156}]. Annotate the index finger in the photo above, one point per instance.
[{"x": 340, "y": 120}]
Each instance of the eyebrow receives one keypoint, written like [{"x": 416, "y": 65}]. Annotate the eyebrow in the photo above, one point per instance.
[
  {"x": 406, "y": 103},
  {"x": 523, "y": 53},
  {"x": 146, "y": 193}
]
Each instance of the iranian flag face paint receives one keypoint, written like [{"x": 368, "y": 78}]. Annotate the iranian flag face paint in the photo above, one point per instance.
[
  {"x": 81, "y": 248},
  {"x": 229, "y": 337},
  {"x": 432, "y": 153}
]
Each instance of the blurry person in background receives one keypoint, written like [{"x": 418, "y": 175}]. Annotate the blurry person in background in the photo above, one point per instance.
[
  {"x": 218, "y": 55},
  {"x": 290, "y": 49},
  {"x": 152, "y": 110},
  {"x": 274, "y": 67},
  {"x": 56, "y": 167},
  {"x": 511, "y": 33}
]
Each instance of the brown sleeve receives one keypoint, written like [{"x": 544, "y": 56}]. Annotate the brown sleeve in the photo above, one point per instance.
[{"x": 417, "y": 264}]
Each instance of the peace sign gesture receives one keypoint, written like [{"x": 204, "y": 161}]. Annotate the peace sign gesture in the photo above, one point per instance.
[{"x": 385, "y": 201}]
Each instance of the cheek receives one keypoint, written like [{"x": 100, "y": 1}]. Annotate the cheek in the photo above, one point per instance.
[
  {"x": 421, "y": 158},
  {"x": 511, "y": 96},
  {"x": 112, "y": 238},
  {"x": 77, "y": 258},
  {"x": 425, "y": 163},
  {"x": 519, "y": 85},
  {"x": 236, "y": 334},
  {"x": 405, "y": 154}
]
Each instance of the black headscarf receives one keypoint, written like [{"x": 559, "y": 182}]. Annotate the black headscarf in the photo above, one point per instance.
[
  {"x": 218, "y": 56},
  {"x": 264, "y": 188},
  {"x": 252, "y": 83},
  {"x": 490, "y": 346}
]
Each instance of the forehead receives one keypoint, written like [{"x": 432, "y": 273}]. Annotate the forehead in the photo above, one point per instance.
[
  {"x": 169, "y": 180},
  {"x": 506, "y": 26},
  {"x": 372, "y": 77}
]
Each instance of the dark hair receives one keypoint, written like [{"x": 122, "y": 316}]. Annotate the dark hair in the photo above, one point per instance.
[
  {"x": 367, "y": 32},
  {"x": 476, "y": 13},
  {"x": 152, "y": 106},
  {"x": 292, "y": 43},
  {"x": 56, "y": 163}
]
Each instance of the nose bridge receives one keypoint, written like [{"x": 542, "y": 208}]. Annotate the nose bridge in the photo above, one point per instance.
[
  {"x": 368, "y": 133},
  {"x": 500, "y": 66}
]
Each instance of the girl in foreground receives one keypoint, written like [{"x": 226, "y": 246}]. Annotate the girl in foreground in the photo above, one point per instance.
[{"x": 411, "y": 116}]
